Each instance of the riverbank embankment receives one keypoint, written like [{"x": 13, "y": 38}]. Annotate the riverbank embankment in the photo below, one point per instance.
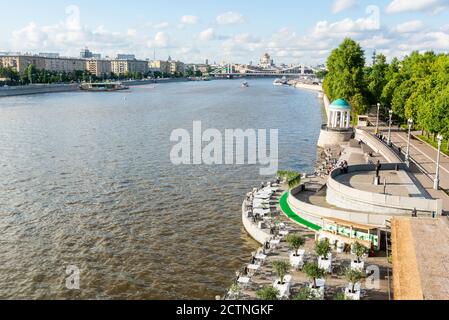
[
  {"x": 37, "y": 89},
  {"x": 57, "y": 88}
]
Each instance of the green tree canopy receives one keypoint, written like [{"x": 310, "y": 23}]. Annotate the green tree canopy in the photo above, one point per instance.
[{"x": 346, "y": 78}]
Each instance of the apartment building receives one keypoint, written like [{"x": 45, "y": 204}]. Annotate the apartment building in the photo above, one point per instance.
[
  {"x": 177, "y": 67},
  {"x": 99, "y": 68},
  {"x": 121, "y": 67},
  {"x": 159, "y": 66},
  {"x": 64, "y": 64},
  {"x": 21, "y": 62}
]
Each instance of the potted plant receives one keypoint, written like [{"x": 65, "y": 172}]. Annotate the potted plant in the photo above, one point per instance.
[
  {"x": 305, "y": 294},
  {"x": 292, "y": 178},
  {"x": 268, "y": 294},
  {"x": 235, "y": 292},
  {"x": 295, "y": 242},
  {"x": 359, "y": 251},
  {"x": 314, "y": 272},
  {"x": 281, "y": 268},
  {"x": 340, "y": 296},
  {"x": 341, "y": 247},
  {"x": 323, "y": 250},
  {"x": 353, "y": 290}
]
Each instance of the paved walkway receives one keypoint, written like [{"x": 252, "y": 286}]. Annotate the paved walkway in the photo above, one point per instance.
[
  {"x": 398, "y": 183},
  {"x": 424, "y": 156}
]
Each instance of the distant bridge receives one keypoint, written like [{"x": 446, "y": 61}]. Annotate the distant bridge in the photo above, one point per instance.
[{"x": 293, "y": 71}]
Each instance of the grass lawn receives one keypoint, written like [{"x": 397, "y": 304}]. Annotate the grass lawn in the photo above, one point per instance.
[{"x": 435, "y": 144}]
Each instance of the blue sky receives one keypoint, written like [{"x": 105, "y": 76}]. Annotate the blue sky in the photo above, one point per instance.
[{"x": 240, "y": 31}]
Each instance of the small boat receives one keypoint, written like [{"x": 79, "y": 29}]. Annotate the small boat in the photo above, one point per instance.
[
  {"x": 245, "y": 84},
  {"x": 280, "y": 82},
  {"x": 103, "y": 86}
]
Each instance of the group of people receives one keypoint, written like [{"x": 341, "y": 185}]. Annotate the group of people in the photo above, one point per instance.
[{"x": 344, "y": 166}]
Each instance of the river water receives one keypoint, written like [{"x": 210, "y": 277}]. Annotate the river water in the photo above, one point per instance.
[{"x": 86, "y": 180}]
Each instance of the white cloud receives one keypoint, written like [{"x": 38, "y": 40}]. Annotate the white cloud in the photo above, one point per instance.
[
  {"x": 230, "y": 18},
  {"x": 341, "y": 5},
  {"x": 189, "y": 19},
  {"x": 68, "y": 36},
  {"x": 410, "y": 26},
  {"x": 161, "y": 40},
  {"x": 131, "y": 32},
  {"x": 162, "y": 25},
  {"x": 242, "y": 41},
  {"x": 207, "y": 35},
  {"x": 397, "y": 6}
]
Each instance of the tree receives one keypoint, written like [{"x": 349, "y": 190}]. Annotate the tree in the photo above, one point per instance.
[
  {"x": 340, "y": 296},
  {"x": 323, "y": 248},
  {"x": 321, "y": 74},
  {"x": 235, "y": 291},
  {"x": 295, "y": 242},
  {"x": 305, "y": 294},
  {"x": 359, "y": 250},
  {"x": 345, "y": 78},
  {"x": 377, "y": 78},
  {"x": 281, "y": 268},
  {"x": 314, "y": 272},
  {"x": 268, "y": 294},
  {"x": 293, "y": 178},
  {"x": 354, "y": 277}
]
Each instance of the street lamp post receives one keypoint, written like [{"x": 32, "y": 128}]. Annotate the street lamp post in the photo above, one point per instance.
[
  {"x": 407, "y": 155},
  {"x": 436, "y": 184},
  {"x": 377, "y": 123},
  {"x": 389, "y": 128}
]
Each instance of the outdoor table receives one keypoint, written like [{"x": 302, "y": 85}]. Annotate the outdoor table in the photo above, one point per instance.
[
  {"x": 284, "y": 233},
  {"x": 275, "y": 243},
  {"x": 261, "y": 257},
  {"x": 244, "y": 281},
  {"x": 253, "y": 268},
  {"x": 262, "y": 212}
]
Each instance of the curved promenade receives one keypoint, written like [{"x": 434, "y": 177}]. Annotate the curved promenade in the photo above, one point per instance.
[
  {"x": 313, "y": 214},
  {"x": 346, "y": 197},
  {"x": 377, "y": 146}
]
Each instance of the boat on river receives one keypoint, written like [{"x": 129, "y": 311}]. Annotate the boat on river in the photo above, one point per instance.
[
  {"x": 280, "y": 82},
  {"x": 103, "y": 86},
  {"x": 245, "y": 85}
]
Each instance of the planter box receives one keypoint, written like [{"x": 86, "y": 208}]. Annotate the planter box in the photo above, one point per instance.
[
  {"x": 296, "y": 262},
  {"x": 357, "y": 266},
  {"x": 284, "y": 289},
  {"x": 318, "y": 292},
  {"x": 325, "y": 264},
  {"x": 353, "y": 295},
  {"x": 340, "y": 247}
]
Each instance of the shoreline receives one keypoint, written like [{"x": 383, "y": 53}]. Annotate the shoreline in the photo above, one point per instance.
[
  {"x": 253, "y": 232},
  {"x": 74, "y": 87},
  {"x": 34, "y": 89},
  {"x": 263, "y": 235}
]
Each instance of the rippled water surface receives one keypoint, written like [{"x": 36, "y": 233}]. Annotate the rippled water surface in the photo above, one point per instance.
[{"x": 86, "y": 180}]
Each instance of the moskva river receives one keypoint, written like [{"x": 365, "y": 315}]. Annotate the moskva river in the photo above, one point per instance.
[{"x": 87, "y": 184}]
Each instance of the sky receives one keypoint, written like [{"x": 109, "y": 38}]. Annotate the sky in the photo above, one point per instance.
[{"x": 291, "y": 31}]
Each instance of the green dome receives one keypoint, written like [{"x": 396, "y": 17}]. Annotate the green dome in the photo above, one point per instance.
[{"x": 340, "y": 104}]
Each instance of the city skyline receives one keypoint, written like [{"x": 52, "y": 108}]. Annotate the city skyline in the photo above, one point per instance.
[{"x": 231, "y": 31}]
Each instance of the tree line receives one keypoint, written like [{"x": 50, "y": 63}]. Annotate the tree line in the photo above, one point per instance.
[
  {"x": 415, "y": 87},
  {"x": 32, "y": 75}
]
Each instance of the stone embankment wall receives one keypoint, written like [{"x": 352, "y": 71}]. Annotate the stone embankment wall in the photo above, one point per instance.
[{"x": 37, "y": 89}]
